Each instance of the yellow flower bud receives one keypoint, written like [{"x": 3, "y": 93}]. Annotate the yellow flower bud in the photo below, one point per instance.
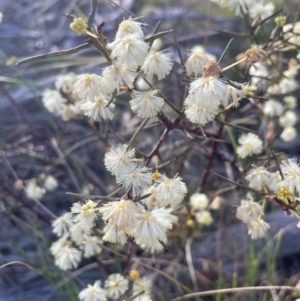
[
  {"x": 190, "y": 223},
  {"x": 285, "y": 194},
  {"x": 79, "y": 26},
  {"x": 156, "y": 176},
  {"x": 134, "y": 274},
  {"x": 280, "y": 20}
]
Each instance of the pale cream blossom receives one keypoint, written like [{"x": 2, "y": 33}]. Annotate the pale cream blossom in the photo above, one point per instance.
[
  {"x": 261, "y": 9},
  {"x": 91, "y": 245},
  {"x": 291, "y": 171},
  {"x": 67, "y": 258},
  {"x": 142, "y": 284},
  {"x": 93, "y": 293},
  {"x": 129, "y": 26},
  {"x": 64, "y": 82},
  {"x": 85, "y": 213},
  {"x": 199, "y": 201},
  {"x": 290, "y": 101},
  {"x": 258, "y": 176},
  {"x": 33, "y": 190},
  {"x": 53, "y": 101},
  {"x": 289, "y": 118},
  {"x": 62, "y": 224},
  {"x": 116, "y": 285},
  {"x": 146, "y": 104},
  {"x": 289, "y": 133},
  {"x": 273, "y": 108},
  {"x": 157, "y": 63},
  {"x": 50, "y": 183},
  {"x": 249, "y": 210},
  {"x": 258, "y": 228},
  {"x": 114, "y": 235},
  {"x": 249, "y": 144},
  {"x": 204, "y": 218}
]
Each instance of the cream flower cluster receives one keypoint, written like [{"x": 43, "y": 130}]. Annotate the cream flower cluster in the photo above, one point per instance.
[
  {"x": 199, "y": 203},
  {"x": 59, "y": 101},
  {"x": 37, "y": 187},
  {"x": 75, "y": 236},
  {"x": 250, "y": 213},
  {"x": 116, "y": 286}
]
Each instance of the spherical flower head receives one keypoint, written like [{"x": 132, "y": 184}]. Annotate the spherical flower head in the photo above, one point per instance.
[
  {"x": 190, "y": 223},
  {"x": 117, "y": 75},
  {"x": 258, "y": 176},
  {"x": 290, "y": 101},
  {"x": 130, "y": 51},
  {"x": 152, "y": 227},
  {"x": 59, "y": 245},
  {"x": 67, "y": 258},
  {"x": 258, "y": 229},
  {"x": 157, "y": 63},
  {"x": 97, "y": 109},
  {"x": 116, "y": 285},
  {"x": 249, "y": 210},
  {"x": 291, "y": 171},
  {"x": 255, "y": 55},
  {"x": 146, "y": 104},
  {"x": 143, "y": 284},
  {"x": 134, "y": 274},
  {"x": 285, "y": 194},
  {"x": 123, "y": 215},
  {"x": 200, "y": 112},
  {"x": 273, "y": 108},
  {"x": 135, "y": 179},
  {"x": 249, "y": 144},
  {"x": 288, "y": 119},
  {"x": 91, "y": 246},
  {"x": 34, "y": 191},
  {"x": 197, "y": 60},
  {"x": 261, "y": 9},
  {"x": 88, "y": 86},
  {"x": 289, "y": 133},
  {"x": 50, "y": 183},
  {"x": 153, "y": 200},
  {"x": 288, "y": 85},
  {"x": 280, "y": 21},
  {"x": 62, "y": 224},
  {"x": 207, "y": 90},
  {"x": 78, "y": 232},
  {"x": 171, "y": 191},
  {"x": 204, "y": 218},
  {"x": 199, "y": 201},
  {"x": 79, "y": 26},
  {"x": 64, "y": 82},
  {"x": 118, "y": 157},
  {"x": 128, "y": 27},
  {"x": 53, "y": 101},
  {"x": 93, "y": 293},
  {"x": 85, "y": 213}
]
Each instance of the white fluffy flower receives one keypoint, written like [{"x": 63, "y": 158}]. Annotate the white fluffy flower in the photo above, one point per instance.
[
  {"x": 257, "y": 229},
  {"x": 62, "y": 224},
  {"x": 53, "y": 101},
  {"x": 33, "y": 191},
  {"x": 153, "y": 225},
  {"x": 59, "y": 245},
  {"x": 261, "y": 9},
  {"x": 197, "y": 60},
  {"x": 117, "y": 75},
  {"x": 199, "y": 201},
  {"x": 64, "y": 82},
  {"x": 258, "y": 72},
  {"x": 171, "y": 191},
  {"x": 146, "y": 104},
  {"x": 91, "y": 246},
  {"x": 273, "y": 108},
  {"x": 119, "y": 157},
  {"x": 67, "y": 258},
  {"x": 78, "y": 232},
  {"x": 123, "y": 215},
  {"x": 97, "y": 108},
  {"x": 93, "y": 293},
  {"x": 274, "y": 183},
  {"x": 142, "y": 284},
  {"x": 135, "y": 179},
  {"x": 130, "y": 51},
  {"x": 157, "y": 63},
  {"x": 116, "y": 285},
  {"x": 291, "y": 171},
  {"x": 258, "y": 176},
  {"x": 235, "y": 4},
  {"x": 153, "y": 200},
  {"x": 200, "y": 112},
  {"x": 249, "y": 144},
  {"x": 204, "y": 218},
  {"x": 128, "y": 27},
  {"x": 249, "y": 210},
  {"x": 143, "y": 297},
  {"x": 289, "y": 133},
  {"x": 50, "y": 183},
  {"x": 288, "y": 119},
  {"x": 85, "y": 213},
  {"x": 288, "y": 85},
  {"x": 290, "y": 101},
  {"x": 208, "y": 89},
  {"x": 88, "y": 86}
]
